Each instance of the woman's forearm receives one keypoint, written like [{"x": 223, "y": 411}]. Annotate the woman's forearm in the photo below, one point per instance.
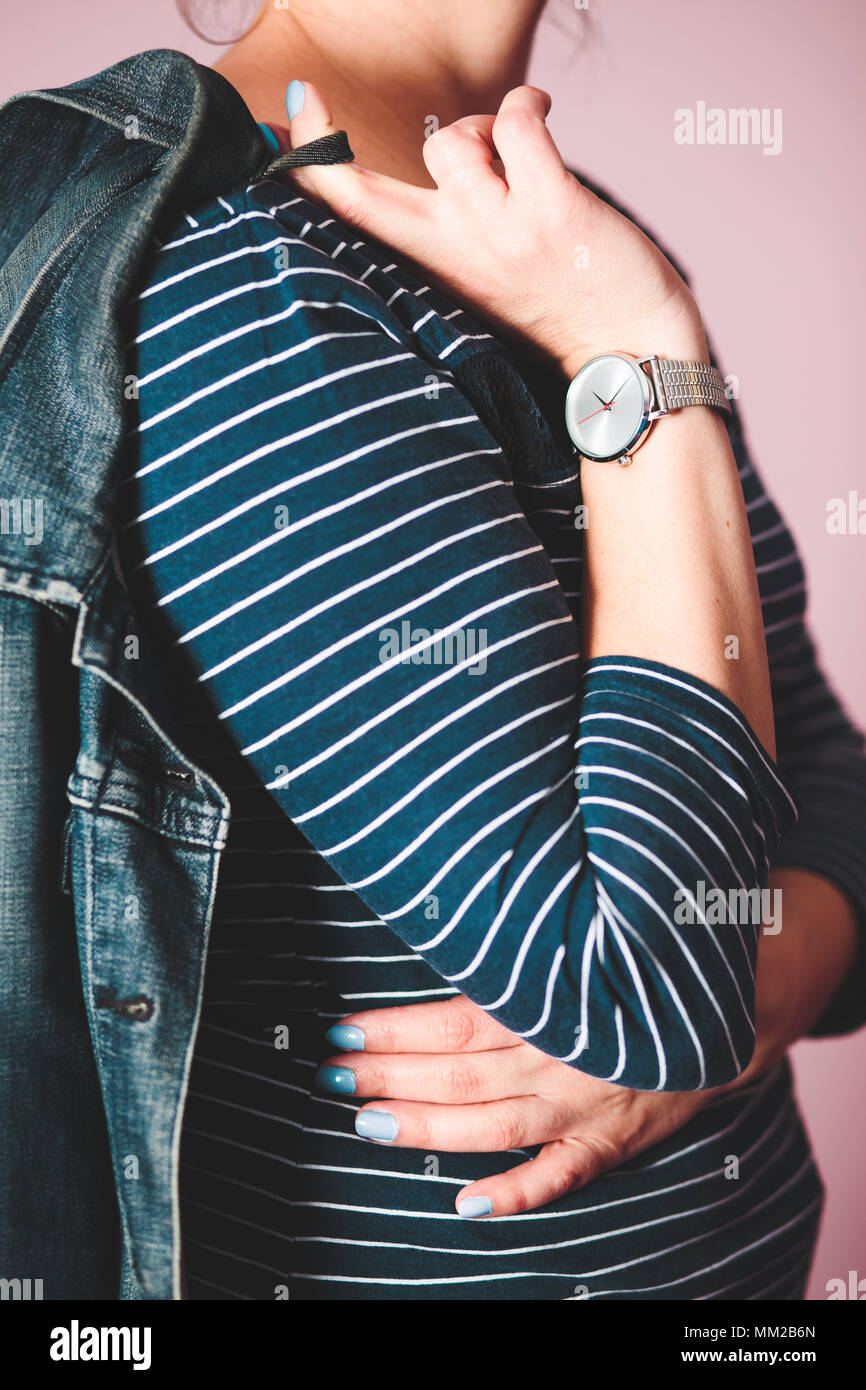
[
  {"x": 669, "y": 569},
  {"x": 802, "y": 967}
]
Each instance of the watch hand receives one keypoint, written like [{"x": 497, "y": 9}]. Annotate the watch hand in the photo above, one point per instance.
[
  {"x": 592, "y": 413},
  {"x": 616, "y": 392},
  {"x": 606, "y": 404}
]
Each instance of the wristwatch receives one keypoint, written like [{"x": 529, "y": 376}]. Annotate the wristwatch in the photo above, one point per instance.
[{"x": 614, "y": 400}]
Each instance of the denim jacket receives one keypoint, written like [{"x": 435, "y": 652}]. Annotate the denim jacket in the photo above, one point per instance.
[{"x": 110, "y": 838}]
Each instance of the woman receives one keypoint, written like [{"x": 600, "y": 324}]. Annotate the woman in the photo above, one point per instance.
[{"x": 455, "y": 683}]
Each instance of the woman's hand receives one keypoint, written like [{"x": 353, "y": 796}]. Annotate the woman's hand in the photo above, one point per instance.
[
  {"x": 531, "y": 250},
  {"x": 449, "y": 1078},
  {"x": 452, "y": 1079}
]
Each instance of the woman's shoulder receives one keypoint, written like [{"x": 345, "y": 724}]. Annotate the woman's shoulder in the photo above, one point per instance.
[{"x": 263, "y": 257}]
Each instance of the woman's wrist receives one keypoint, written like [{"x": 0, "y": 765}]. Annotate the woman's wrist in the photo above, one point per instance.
[{"x": 679, "y": 337}]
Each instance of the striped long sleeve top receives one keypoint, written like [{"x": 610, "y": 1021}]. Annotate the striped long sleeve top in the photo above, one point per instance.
[
  {"x": 355, "y": 518},
  {"x": 339, "y": 542}
]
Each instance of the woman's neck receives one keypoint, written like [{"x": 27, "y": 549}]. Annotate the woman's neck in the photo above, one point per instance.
[{"x": 386, "y": 67}]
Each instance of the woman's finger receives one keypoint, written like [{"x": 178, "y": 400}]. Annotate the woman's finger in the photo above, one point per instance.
[
  {"x": 559, "y": 1168},
  {"x": 450, "y": 1025},
  {"x": 525, "y": 145},
  {"x": 463, "y": 154},
  {"x": 620, "y": 1124},
  {"x": 490, "y": 1127},
  {"x": 449, "y": 1079},
  {"x": 386, "y": 208}
]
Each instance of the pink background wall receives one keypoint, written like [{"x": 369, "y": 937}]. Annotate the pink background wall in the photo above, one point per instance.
[{"x": 774, "y": 247}]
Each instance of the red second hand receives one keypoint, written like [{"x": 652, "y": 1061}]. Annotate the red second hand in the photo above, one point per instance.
[{"x": 595, "y": 412}]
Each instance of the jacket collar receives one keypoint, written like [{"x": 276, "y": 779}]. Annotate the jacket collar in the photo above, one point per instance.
[{"x": 89, "y": 171}]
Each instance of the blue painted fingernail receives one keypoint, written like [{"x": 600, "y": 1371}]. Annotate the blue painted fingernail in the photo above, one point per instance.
[
  {"x": 376, "y": 1124},
  {"x": 339, "y": 1079},
  {"x": 294, "y": 98},
  {"x": 346, "y": 1037},
  {"x": 475, "y": 1206},
  {"x": 269, "y": 137}
]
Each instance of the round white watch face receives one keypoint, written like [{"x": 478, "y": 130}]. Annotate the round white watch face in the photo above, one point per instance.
[{"x": 607, "y": 406}]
